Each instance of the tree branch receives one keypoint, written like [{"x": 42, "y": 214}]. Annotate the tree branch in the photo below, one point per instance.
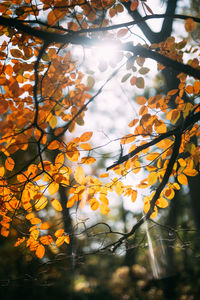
[{"x": 189, "y": 121}]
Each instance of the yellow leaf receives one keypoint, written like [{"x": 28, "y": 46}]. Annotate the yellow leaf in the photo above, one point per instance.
[
  {"x": 56, "y": 205},
  {"x": 94, "y": 204},
  {"x": 53, "y": 122},
  {"x": 40, "y": 251},
  {"x": 34, "y": 234},
  {"x": 162, "y": 202},
  {"x": 79, "y": 175},
  {"x": 182, "y": 179},
  {"x": 59, "y": 232},
  {"x": 59, "y": 160},
  {"x": 152, "y": 156},
  {"x": 129, "y": 138},
  {"x": 9, "y": 163},
  {"x": 104, "y": 209},
  {"x": 133, "y": 196},
  {"x": 53, "y": 188},
  {"x": 41, "y": 203},
  {"x": 152, "y": 178},
  {"x": 60, "y": 240}
]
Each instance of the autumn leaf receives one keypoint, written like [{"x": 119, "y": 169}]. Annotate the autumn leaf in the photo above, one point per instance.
[
  {"x": 182, "y": 179},
  {"x": 9, "y": 164},
  {"x": 56, "y": 205},
  {"x": 190, "y": 25},
  {"x": 79, "y": 175},
  {"x": 86, "y": 136},
  {"x": 40, "y": 251},
  {"x": 134, "y": 5},
  {"x": 94, "y": 204},
  {"x": 53, "y": 188},
  {"x": 134, "y": 196},
  {"x": 19, "y": 241}
]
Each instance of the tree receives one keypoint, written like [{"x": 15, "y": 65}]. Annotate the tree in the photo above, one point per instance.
[{"x": 45, "y": 96}]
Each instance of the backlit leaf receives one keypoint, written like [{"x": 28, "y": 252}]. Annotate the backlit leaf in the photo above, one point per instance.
[
  {"x": 79, "y": 175},
  {"x": 134, "y": 196},
  {"x": 9, "y": 163},
  {"x": 40, "y": 251},
  {"x": 53, "y": 188},
  {"x": 86, "y": 136},
  {"x": 56, "y": 205},
  {"x": 182, "y": 179}
]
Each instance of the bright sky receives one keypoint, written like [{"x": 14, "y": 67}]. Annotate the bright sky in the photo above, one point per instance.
[{"x": 110, "y": 113}]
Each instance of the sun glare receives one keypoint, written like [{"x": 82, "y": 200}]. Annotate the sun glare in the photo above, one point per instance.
[{"x": 106, "y": 53}]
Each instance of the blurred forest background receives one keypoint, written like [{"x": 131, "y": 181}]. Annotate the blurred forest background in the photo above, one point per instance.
[{"x": 162, "y": 261}]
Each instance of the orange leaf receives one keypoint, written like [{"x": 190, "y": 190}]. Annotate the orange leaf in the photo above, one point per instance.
[
  {"x": 190, "y": 25},
  {"x": 59, "y": 232},
  {"x": 141, "y": 100},
  {"x": 134, "y": 5},
  {"x": 46, "y": 240},
  {"x": 44, "y": 226},
  {"x": 104, "y": 175},
  {"x": 19, "y": 241},
  {"x": 40, "y": 251},
  {"x": 182, "y": 179},
  {"x": 9, "y": 163},
  {"x": 88, "y": 160},
  {"x": 59, "y": 160},
  {"x": 16, "y": 53},
  {"x": 67, "y": 239},
  {"x": 86, "y": 136},
  {"x": 55, "y": 15},
  {"x": 2, "y": 171},
  {"x": 35, "y": 221},
  {"x": 133, "y": 80},
  {"x": 53, "y": 145},
  {"x": 86, "y": 146}
]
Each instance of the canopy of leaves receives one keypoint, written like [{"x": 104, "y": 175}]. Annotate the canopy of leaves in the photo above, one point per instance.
[{"x": 44, "y": 96}]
